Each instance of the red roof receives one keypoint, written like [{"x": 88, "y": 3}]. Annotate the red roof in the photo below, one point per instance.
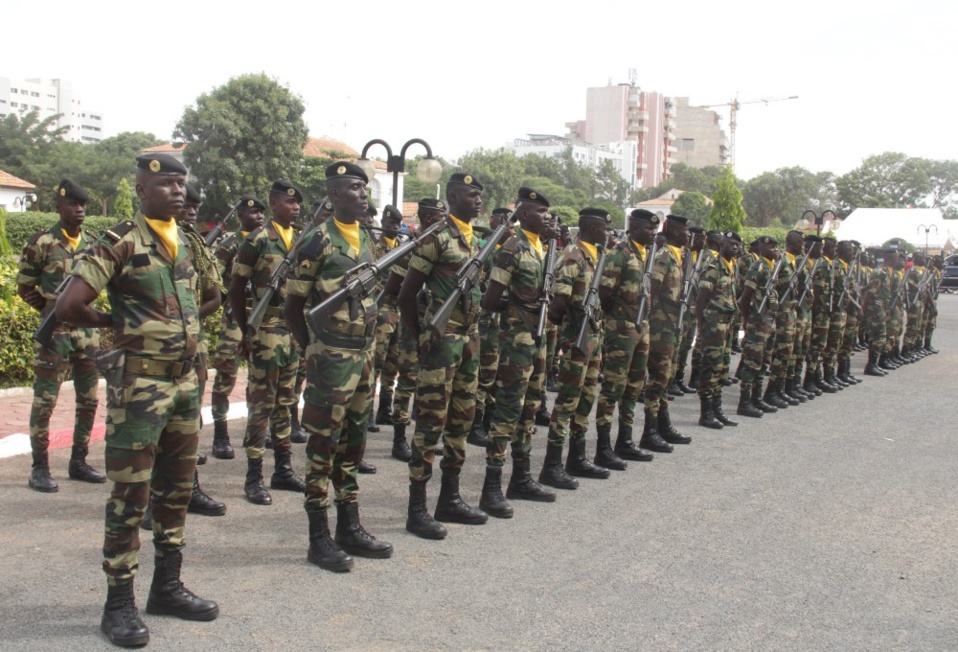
[
  {"x": 167, "y": 147},
  {"x": 325, "y": 146},
  {"x": 9, "y": 181}
]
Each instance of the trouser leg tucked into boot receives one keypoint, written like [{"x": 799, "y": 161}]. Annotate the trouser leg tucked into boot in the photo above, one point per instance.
[
  {"x": 418, "y": 520},
  {"x": 201, "y": 503},
  {"x": 604, "y": 455},
  {"x": 746, "y": 408},
  {"x": 552, "y": 473},
  {"x": 669, "y": 433},
  {"x": 451, "y": 508},
  {"x": 626, "y": 448},
  {"x": 578, "y": 465},
  {"x": 284, "y": 478},
  {"x": 523, "y": 487},
  {"x": 255, "y": 492},
  {"x": 168, "y": 596},
  {"x": 492, "y": 502},
  {"x": 323, "y": 551},
  {"x": 707, "y": 416},
  {"x": 478, "y": 435},
  {"x": 352, "y": 537},
  {"x": 80, "y": 470},
  {"x": 121, "y": 620},
  {"x": 651, "y": 439},
  {"x": 719, "y": 413},
  {"x": 40, "y": 478},
  {"x": 222, "y": 449},
  {"x": 757, "y": 398},
  {"x": 401, "y": 450}
]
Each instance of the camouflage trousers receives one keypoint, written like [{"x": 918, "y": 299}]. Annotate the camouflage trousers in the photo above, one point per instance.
[
  {"x": 407, "y": 372},
  {"x": 662, "y": 342},
  {"x": 849, "y": 336},
  {"x": 836, "y": 331},
  {"x": 625, "y": 357},
  {"x": 387, "y": 352},
  {"x": 930, "y": 320},
  {"x": 784, "y": 343},
  {"x": 803, "y": 338},
  {"x": 445, "y": 401},
  {"x": 759, "y": 331},
  {"x": 578, "y": 384},
  {"x": 875, "y": 322},
  {"x": 519, "y": 382},
  {"x": 152, "y": 429},
  {"x": 338, "y": 401},
  {"x": 226, "y": 362},
  {"x": 712, "y": 344},
  {"x": 685, "y": 345},
  {"x": 893, "y": 328},
  {"x": 273, "y": 366},
  {"x": 488, "y": 359},
  {"x": 73, "y": 354},
  {"x": 817, "y": 340},
  {"x": 914, "y": 328}
]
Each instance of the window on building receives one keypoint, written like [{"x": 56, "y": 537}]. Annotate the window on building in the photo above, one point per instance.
[
  {"x": 34, "y": 94},
  {"x": 686, "y": 144},
  {"x": 13, "y": 104},
  {"x": 35, "y": 107},
  {"x": 14, "y": 91}
]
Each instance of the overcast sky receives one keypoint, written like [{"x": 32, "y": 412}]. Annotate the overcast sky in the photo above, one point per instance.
[{"x": 870, "y": 77}]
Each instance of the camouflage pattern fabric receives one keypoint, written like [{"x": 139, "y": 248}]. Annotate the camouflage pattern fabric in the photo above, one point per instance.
[
  {"x": 713, "y": 343},
  {"x": 821, "y": 291},
  {"x": 759, "y": 327},
  {"x": 663, "y": 325},
  {"x": 785, "y": 321},
  {"x": 913, "y": 312},
  {"x": 226, "y": 362},
  {"x": 839, "y": 314},
  {"x": 387, "y": 350},
  {"x": 489, "y": 333}
]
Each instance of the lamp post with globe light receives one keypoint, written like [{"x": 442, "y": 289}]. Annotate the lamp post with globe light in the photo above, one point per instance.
[
  {"x": 24, "y": 202},
  {"x": 927, "y": 229},
  {"x": 428, "y": 170}
]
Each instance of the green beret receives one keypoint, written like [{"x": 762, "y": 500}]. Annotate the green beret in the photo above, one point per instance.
[
  {"x": 766, "y": 240},
  {"x": 430, "y": 204},
  {"x": 391, "y": 212},
  {"x": 466, "y": 180},
  {"x": 159, "y": 164},
  {"x": 281, "y": 187},
  {"x": 72, "y": 190},
  {"x": 731, "y": 235},
  {"x": 251, "y": 202}
]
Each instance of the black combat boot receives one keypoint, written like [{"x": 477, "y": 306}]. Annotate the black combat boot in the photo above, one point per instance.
[
  {"x": 478, "y": 436},
  {"x": 604, "y": 455},
  {"x": 707, "y": 416},
  {"x": 80, "y": 470},
  {"x": 757, "y": 398},
  {"x": 772, "y": 398},
  {"x": 222, "y": 450},
  {"x": 323, "y": 551},
  {"x": 929, "y": 347},
  {"x": 365, "y": 468},
  {"x": 523, "y": 487},
  {"x": 885, "y": 363},
  {"x": 626, "y": 448},
  {"x": 255, "y": 492},
  {"x": 823, "y": 384},
  {"x": 371, "y": 423},
  {"x": 832, "y": 378},
  {"x": 168, "y": 596},
  {"x": 666, "y": 430},
  {"x": 200, "y": 458},
  {"x": 871, "y": 367},
  {"x": 736, "y": 344},
  {"x": 201, "y": 503},
  {"x": 297, "y": 434},
  {"x": 578, "y": 465},
  {"x": 121, "y": 620},
  {"x": 552, "y": 473},
  {"x": 352, "y": 537},
  {"x": 40, "y": 478},
  {"x": 847, "y": 373},
  {"x": 552, "y": 382},
  {"x": 780, "y": 392},
  {"x": 795, "y": 390},
  {"x": 284, "y": 478},
  {"x": 896, "y": 355},
  {"x": 419, "y": 521},
  {"x": 401, "y": 450},
  {"x": 651, "y": 439},
  {"x": 543, "y": 418},
  {"x": 674, "y": 390},
  {"x": 809, "y": 383},
  {"x": 694, "y": 374},
  {"x": 451, "y": 508},
  {"x": 384, "y": 415},
  {"x": 719, "y": 413},
  {"x": 680, "y": 383},
  {"x": 746, "y": 408},
  {"x": 492, "y": 502}
]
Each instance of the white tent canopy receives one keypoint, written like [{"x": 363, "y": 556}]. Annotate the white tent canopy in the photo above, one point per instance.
[{"x": 875, "y": 226}]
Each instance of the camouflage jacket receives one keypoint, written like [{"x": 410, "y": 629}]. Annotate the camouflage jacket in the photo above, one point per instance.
[
  {"x": 225, "y": 254},
  {"x": 784, "y": 279},
  {"x": 839, "y": 281},
  {"x": 258, "y": 255},
  {"x": 438, "y": 257},
  {"x": 718, "y": 280},
  {"x": 573, "y": 274},
  {"x": 742, "y": 264},
  {"x": 757, "y": 279},
  {"x": 822, "y": 287},
  {"x": 699, "y": 261},
  {"x": 520, "y": 269},
  {"x": 152, "y": 298},
  {"x": 47, "y": 258},
  {"x": 667, "y": 271},
  {"x": 879, "y": 293},
  {"x": 623, "y": 273},
  {"x": 321, "y": 265}
]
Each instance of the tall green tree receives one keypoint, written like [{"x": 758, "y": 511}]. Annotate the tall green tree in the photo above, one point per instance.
[
  {"x": 727, "y": 213},
  {"x": 499, "y": 172},
  {"x": 888, "y": 180},
  {"x": 693, "y": 205},
  {"x": 123, "y": 205},
  {"x": 241, "y": 136},
  {"x": 26, "y": 139}
]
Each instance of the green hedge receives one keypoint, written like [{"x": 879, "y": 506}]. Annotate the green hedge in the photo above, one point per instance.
[{"x": 21, "y": 226}]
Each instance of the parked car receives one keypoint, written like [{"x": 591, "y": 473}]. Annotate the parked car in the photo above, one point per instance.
[{"x": 949, "y": 275}]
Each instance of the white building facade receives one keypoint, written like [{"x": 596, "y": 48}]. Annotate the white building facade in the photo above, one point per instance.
[
  {"x": 623, "y": 154},
  {"x": 53, "y": 97}
]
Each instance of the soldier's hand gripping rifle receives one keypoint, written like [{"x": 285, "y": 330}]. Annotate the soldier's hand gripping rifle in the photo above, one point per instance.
[
  {"x": 922, "y": 283},
  {"x": 44, "y": 332},
  {"x": 901, "y": 290},
  {"x": 809, "y": 280},
  {"x": 646, "y": 285},
  {"x": 220, "y": 227},
  {"x": 276, "y": 280},
  {"x": 466, "y": 278},
  {"x": 851, "y": 279},
  {"x": 590, "y": 305},
  {"x": 686, "y": 289},
  {"x": 793, "y": 282},
  {"x": 770, "y": 284},
  {"x": 360, "y": 281},
  {"x": 545, "y": 292}
]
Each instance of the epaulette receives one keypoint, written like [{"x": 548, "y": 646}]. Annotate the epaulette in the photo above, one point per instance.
[
  {"x": 313, "y": 246},
  {"x": 116, "y": 232},
  {"x": 252, "y": 234}
]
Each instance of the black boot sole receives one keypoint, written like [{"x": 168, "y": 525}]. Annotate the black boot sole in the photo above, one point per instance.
[
  {"x": 158, "y": 609},
  {"x": 357, "y": 551},
  {"x": 592, "y": 475},
  {"x": 282, "y": 484},
  {"x": 431, "y": 534},
  {"x": 224, "y": 454},
  {"x": 43, "y": 490},
  {"x": 517, "y": 494},
  {"x": 462, "y": 520},
  {"x": 342, "y": 567},
  {"x": 496, "y": 513},
  {"x": 128, "y": 641},
  {"x": 202, "y": 511}
]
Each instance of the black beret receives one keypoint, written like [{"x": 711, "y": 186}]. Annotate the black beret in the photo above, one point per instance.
[
  {"x": 192, "y": 195},
  {"x": 391, "y": 212},
  {"x": 159, "y": 164},
  {"x": 596, "y": 214},
  {"x": 811, "y": 237},
  {"x": 829, "y": 238},
  {"x": 466, "y": 180},
  {"x": 345, "y": 169},
  {"x": 642, "y": 214},
  {"x": 678, "y": 219},
  {"x": 432, "y": 204},
  {"x": 766, "y": 240},
  {"x": 501, "y": 211},
  {"x": 528, "y": 194},
  {"x": 281, "y": 187},
  {"x": 697, "y": 230},
  {"x": 715, "y": 233},
  {"x": 72, "y": 190},
  {"x": 251, "y": 202},
  {"x": 731, "y": 235}
]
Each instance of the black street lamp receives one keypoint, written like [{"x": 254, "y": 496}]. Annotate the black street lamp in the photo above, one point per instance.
[
  {"x": 428, "y": 171},
  {"x": 927, "y": 229},
  {"x": 24, "y": 202},
  {"x": 818, "y": 220}
]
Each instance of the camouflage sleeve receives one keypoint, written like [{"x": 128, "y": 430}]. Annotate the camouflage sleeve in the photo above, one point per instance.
[
  {"x": 425, "y": 255},
  {"x": 566, "y": 275},
  {"x": 309, "y": 262},
  {"x": 30, "y": 266},
  {"x": 612, "y": 273},
  {"x": 99, "y": 264},
  {"x": 246, "y": 257},
  {"x": 661, "y": 266},
  {"x": 755, "y": 277},
  {"x": 709, "y": 276},
  {"x": 223, "y": 254},
  {"x": 506, "y": 262}
]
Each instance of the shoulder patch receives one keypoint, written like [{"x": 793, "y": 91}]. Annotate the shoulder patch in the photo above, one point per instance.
[{"x": 117, "y": 231}]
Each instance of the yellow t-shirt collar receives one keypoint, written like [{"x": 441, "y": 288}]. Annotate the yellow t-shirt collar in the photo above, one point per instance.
[
  {"x": 640, "y": 248},
  {"x": 244, "y": 234},
  {"x": 730, "y": 265},
  {"x": 791, "y": 258},
  {"x": 465, "y": 228},
  {"x": 285, "y": 232},
  {"x": 350, "y": 233},
  {"x": 390, "y": 242},
  {"x": 167, "y": 232},
  {"x": 534, "y": 241},
  {"x": 676, "y": 252},
  {"x": 73, "y": 242},
  {"x": 591, "y": 249},
  {"x": 769, "y": 262}
]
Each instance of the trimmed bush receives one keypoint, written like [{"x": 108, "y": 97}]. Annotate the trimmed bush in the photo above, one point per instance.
[{"x": 20, "y": 227}]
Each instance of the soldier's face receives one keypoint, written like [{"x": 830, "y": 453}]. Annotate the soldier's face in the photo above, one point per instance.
[
  {"x": 189, "y": 213},
  {"x": 698, "y": 242},
  {"x": 161, "y": 195},
  {"x": 251, "y": 218},
  {"x": 643, "y": 232},
  {"x": 533, "y": 217},
  {"x": 769, "y": 251},
  {"x": 729, "y": 248},
  {"x": 72, "y": 212},
  {"x": 349, "y": 198},
  {"x": 465, "y": 202},
  {"x": 391, "y": 227},
  {"x": 285, "y": 208},
  {"x": 816, "y": 251},
  {"x": 429, "y": 217},
  {"x": 548, "y": 227}
]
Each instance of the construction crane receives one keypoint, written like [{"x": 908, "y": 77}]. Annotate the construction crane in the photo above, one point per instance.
[{"x": 733, "y": 117}]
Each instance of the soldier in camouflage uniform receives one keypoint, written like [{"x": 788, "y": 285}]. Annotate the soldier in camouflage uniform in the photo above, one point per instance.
[
  {"x": 895, "y": 316},
  {"x": 850, "y": 256},
  {"x": 700, "y": 256},
  {"x": 273, "y": 359},
  {"x": 803, "y": 319},
  {"x": 930, "y": 312},
  {"x": 783, "y": 341},
  {"x": 759, "y": 327},
  {"x": 47, "y": 259},
  {"x": 625, "y": 345},
  {"x": 913, "y": 308},
  {"x": 579, "y": 370},
  {"x": 875, "y": 303},
  {"x": 713, "y": 245},
  {"x": 821, "y": 310},
  {"x": 838, "y": 270},
  {"x": 666, "y": 295},
  {"x": 515, "y": 293},
  {"x": 251, "y": 213},
  {"x": 387, "y": 327},
  {"x": 153, "y": 406},
  {"x": 714, "y": 308},
  {"x": 449, "y": 365},
  {"x": 339, "y": 359}
]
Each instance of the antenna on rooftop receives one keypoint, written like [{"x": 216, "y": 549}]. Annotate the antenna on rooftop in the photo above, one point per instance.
[{"x": 633, "y": 77}]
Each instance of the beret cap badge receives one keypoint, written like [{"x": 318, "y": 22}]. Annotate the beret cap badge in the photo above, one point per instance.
[
  {"x": 341, "y": 169},
  {"x": 532, "y": 195},
  {"x": 63, "y": 192},
  {"x": 250, "y": 203},
  {"x": 467, "y": 179},
  {"x": 439, "y": 204},
  {"x": 155, "y": 166},
  {"x": 291, "y": 191}
]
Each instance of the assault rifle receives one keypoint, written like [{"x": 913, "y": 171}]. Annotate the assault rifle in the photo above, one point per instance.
[
  {"x": 686, "y": 288},
  {"x": 646, "y": 284},
  {"x": 466, "y": 278},
  {"x": 922, "y": 283},
  {"x": 770, "y": 284},
  {"x": 901, "y": 290},
  {"x": 850, "y": 278},
  {"x": 276, "y": 280},
  {"x": 809, "y": 280},
  {"x": 545, "y": 292},
  {"x": 44, "y": 332},
  {"x": 360, "y": 281},
  {"x": 792, "y": 282},
  {"x": 220, "y": 227},
  {"x": 590, "y": 305}
]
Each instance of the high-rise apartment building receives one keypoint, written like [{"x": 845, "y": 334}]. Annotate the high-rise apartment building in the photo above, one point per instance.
[
  {"x": 699, "y": 139},
  {"x": 52, "y": 97}
]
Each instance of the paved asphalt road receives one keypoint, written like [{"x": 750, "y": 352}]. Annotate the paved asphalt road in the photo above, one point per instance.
[{"x": 829, "y": 526}]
